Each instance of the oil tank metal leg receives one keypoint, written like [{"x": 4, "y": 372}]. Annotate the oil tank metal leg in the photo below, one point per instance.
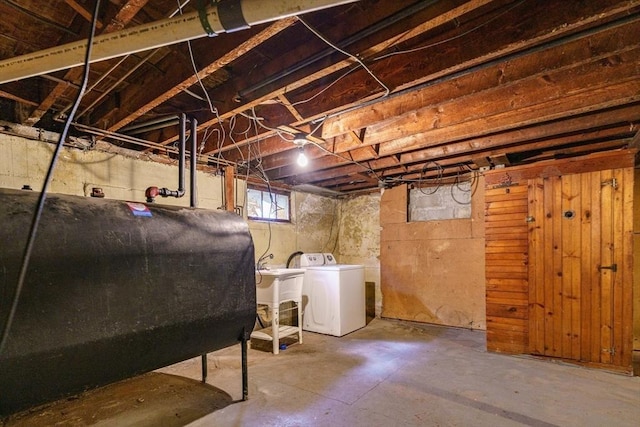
[
  {"x": 204, "y": 368},
  {"x": 245, "y": 376}
]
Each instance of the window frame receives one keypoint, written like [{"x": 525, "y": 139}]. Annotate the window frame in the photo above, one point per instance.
[{"x": 267, "y": 193}]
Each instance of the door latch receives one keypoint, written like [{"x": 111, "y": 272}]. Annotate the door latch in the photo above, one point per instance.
[
  {"x": 612, "y": 182},
  {"x": 612, "y": 267}
]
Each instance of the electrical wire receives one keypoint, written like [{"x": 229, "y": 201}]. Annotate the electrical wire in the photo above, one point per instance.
[
  {"x": 311, "y": 98},
  {"x": 387, "y": 91},
  {"x": 438, "y": 179},
  {"x": 355, "y": 162},
  {"x": 195, "y": 68},
  {"x": 458, "y": 181},
  {"x": 43, "y": 194}
]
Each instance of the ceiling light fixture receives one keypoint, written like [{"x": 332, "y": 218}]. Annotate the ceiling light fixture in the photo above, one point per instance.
[
  {"x": 300, "y": 139},
  {"x": 302, "y": 158}
]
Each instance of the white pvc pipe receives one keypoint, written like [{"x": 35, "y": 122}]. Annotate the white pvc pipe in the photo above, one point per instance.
[{"x": 152, "y": 35}]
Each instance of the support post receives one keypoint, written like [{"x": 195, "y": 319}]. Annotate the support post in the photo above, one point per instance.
[
  {"x": 245, "y": 374},
  {"x": 229, "y": 188},
  {"x": 204, "y": 368}
]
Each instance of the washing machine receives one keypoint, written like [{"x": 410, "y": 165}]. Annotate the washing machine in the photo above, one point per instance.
[{"x": 333, "y": 295}]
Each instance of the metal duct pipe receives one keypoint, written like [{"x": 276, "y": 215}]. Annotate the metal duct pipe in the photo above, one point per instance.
[
  {"x": 141, "y": 130},
  {"x": 165, "y": 120},
  {"x": 227, "y": 16}
]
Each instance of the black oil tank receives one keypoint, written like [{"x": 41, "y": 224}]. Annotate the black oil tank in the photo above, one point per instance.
[{"x": 115, "y": 289}]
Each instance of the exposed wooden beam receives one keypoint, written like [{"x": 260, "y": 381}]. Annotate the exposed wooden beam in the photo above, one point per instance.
[
  {"x": 536, "y": 65},
  {"x": 126, "y": 13},
  {"x": 7, "y": 95},
  {"x": 290, "y": 107},
  {"x": 552, "y": 134},
  {"x": 82, "y": 11},
  {"x": 635, "y": 141},
  {"x": 557, "y": 133},
  {"x": 494, "y": 119},
  {"x": 602, "y": 98},
  {"x": 288, "y": 85},
  {"x": 123, "y": 17},
  {"x": 516, "y": 101},
  {"x": 147, "y": 98},
  {"x": 541, "y": 62}
]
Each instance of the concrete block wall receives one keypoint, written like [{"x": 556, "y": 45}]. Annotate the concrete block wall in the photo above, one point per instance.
[{"x": 447, "y": 201}]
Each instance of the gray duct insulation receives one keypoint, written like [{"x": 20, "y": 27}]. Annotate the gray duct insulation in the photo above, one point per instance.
[
  {"x": 227, "y": 16},
  {"x": 116, "y": 289}
]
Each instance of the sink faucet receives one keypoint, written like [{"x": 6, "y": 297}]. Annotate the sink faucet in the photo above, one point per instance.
[{"x": 262, "y": 262}]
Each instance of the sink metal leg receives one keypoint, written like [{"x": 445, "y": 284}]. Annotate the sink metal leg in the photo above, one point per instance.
[
  {"x": 275, "y": 328},
  {"x": 299, "y": 308}
]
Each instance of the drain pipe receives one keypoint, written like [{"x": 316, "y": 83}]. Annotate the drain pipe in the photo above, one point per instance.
[
  {"x": 193, "y": 161},
  {"x": 152, "y": 192},
  {"x": 216, "y": 18}
]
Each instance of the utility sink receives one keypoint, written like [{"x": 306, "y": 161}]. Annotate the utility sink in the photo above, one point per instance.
[{"x": 273, "y": 287}]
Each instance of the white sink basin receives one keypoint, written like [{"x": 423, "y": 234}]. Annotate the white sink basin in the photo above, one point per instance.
[
  {"x": 279, "y": 285},
  {"x": 280, "y": 272}
]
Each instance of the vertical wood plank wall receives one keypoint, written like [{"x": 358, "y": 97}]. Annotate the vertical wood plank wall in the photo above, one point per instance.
[
  {"x": 506, "y": 259},
  {"x": 517, "y": 251}
]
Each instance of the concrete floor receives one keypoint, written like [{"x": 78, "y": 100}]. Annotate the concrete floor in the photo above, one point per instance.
[{"x": 387, "y": 374}]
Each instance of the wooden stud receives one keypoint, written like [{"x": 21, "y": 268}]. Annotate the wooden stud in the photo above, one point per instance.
[{"x": 229, "y": 188}]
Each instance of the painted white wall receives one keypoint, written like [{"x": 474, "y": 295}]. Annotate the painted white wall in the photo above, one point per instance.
[
  {"x": 359, "y": 238},
  {"x": 25, "y": 162}
]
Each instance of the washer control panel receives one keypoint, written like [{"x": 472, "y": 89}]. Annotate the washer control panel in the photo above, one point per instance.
[
  {"x": 315, "y": 259},
  {"x": 329, "y": 258},
  {"x": 311, "y": 259}
]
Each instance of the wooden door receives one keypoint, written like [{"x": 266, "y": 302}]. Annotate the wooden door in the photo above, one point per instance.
[{"x": 580, "y": 267}]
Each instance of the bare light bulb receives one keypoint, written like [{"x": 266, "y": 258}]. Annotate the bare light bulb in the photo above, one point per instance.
[{"x": 302, "y": 158}]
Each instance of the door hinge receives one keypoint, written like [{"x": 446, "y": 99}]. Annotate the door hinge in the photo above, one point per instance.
[
  {"x": 611, "y": 351},
  {"x": 613, "y": 182},
  {"x": 612, "y": 267}
]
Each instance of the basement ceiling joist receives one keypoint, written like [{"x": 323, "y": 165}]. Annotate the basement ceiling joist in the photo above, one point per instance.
[{"x": 385, "y": 88}]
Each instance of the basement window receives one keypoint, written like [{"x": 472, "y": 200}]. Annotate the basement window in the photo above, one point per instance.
[
  {"x": 268, "y": 205},
  {"x": 442, "y": 202}
]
